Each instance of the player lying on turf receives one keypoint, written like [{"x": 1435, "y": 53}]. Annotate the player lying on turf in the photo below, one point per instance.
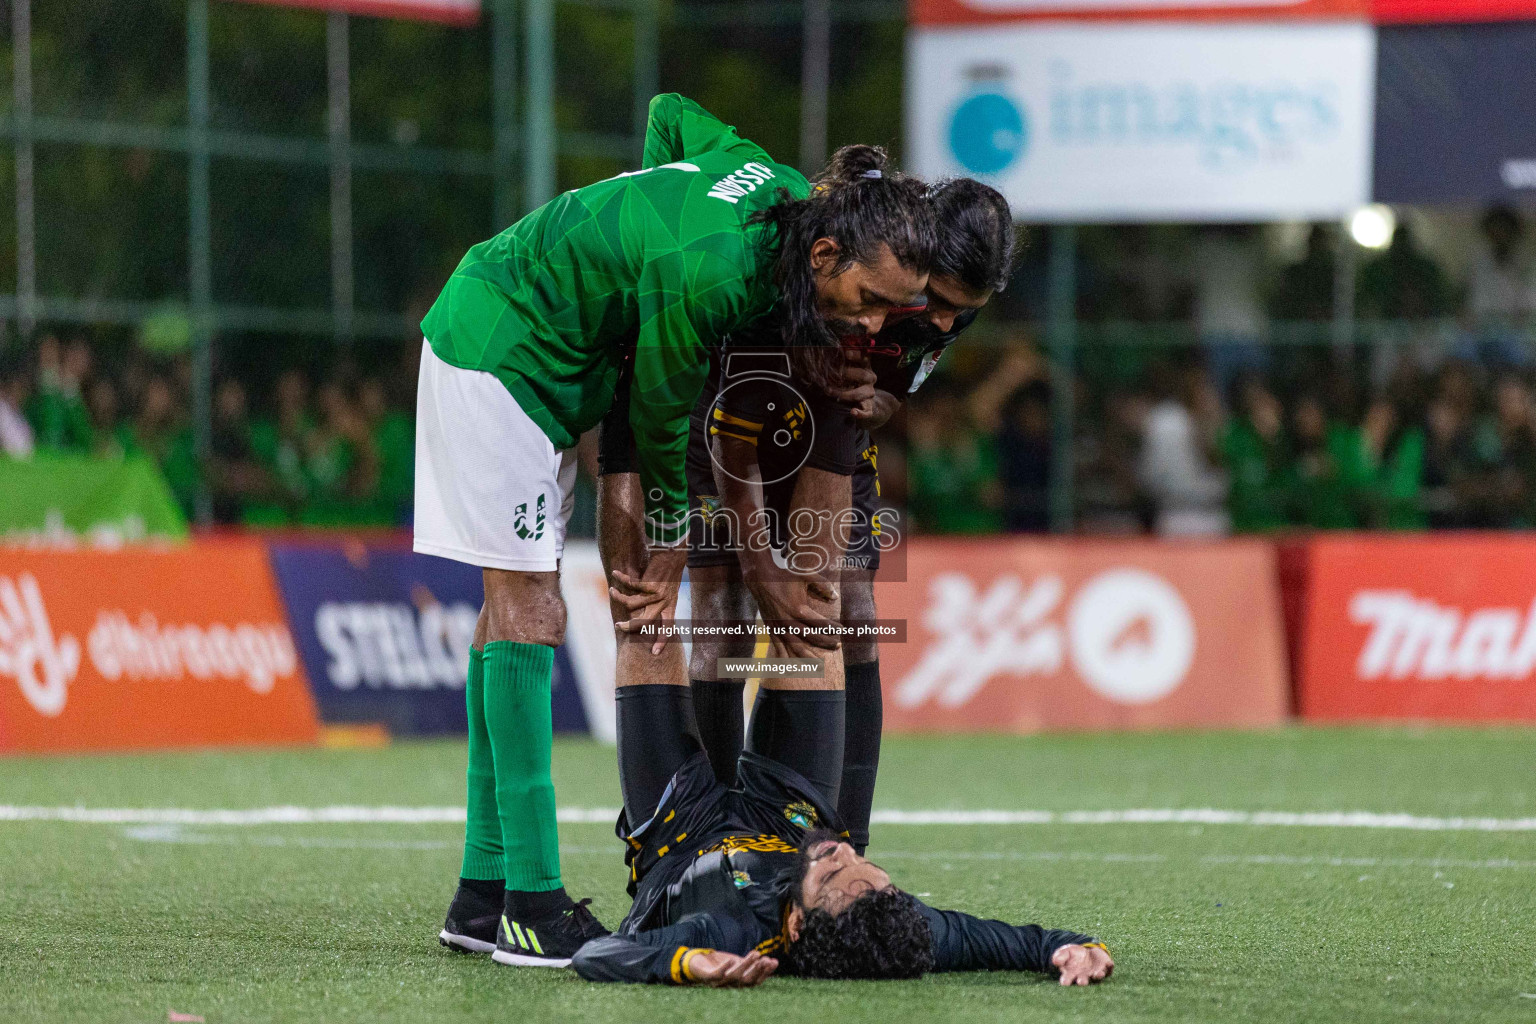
[
  {"x": 737, "y": 471},
  {"x": 731, "y": 884},
  {"x": 524, "y": 348}
]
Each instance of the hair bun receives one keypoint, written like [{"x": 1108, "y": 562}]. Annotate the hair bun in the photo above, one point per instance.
[{"x": 852, "y": 163}]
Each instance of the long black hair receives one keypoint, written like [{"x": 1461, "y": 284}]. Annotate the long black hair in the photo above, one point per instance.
[
  {"x": 862, "y": 205},
  {"x": 976, "y": 236}
]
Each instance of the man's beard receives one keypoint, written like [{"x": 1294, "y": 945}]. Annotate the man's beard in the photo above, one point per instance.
[{"x": 841, "y": 328}]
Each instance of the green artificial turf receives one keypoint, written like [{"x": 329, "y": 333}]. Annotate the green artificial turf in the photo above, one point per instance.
[{"x": 108, "y": 923}]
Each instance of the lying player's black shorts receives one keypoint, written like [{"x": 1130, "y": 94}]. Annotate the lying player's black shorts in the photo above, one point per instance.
[{"x": 771, "y": 803}]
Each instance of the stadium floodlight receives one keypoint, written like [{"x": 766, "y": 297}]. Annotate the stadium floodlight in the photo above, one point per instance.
[{"x": 1372, "y": 226}]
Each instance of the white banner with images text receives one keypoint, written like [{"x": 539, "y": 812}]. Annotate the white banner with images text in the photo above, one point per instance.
[{"x": 1148, "y": 122}]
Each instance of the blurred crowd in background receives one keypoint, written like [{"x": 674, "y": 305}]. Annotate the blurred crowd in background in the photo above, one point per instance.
[
  {"x": 1232, "y": 405},
  {"x": 1213, "y": 392},
  {"x": 338, "y": 451}
]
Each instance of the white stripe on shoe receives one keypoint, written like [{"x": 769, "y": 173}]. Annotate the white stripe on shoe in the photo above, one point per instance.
[
  {"x": 502, "y": 956},
  {"x": 465, "y": 942}
]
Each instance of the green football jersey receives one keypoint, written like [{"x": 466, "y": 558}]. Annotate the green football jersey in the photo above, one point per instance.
[{"x": 663, "y": 256}]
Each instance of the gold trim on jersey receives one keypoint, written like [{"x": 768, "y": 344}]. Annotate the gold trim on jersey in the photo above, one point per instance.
[
  {"x": 736, "y": 421},
  {"x": 715, "y": 431},
  {"x": 757, "y": 844},
  {"x": 779, "y": 941}
]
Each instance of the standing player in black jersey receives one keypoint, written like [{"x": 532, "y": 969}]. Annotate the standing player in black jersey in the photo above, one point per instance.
[
  {"x": 733, "y": 439},
  {"x": 832, "y": 465},
  {"x": 792, "y": 711}
]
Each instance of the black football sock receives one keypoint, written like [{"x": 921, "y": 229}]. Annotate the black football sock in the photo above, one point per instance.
[
  {"x": 532, "y": 906},
  {"x": 717, "y": 707},
  {"x": 802, "y": 730},
  {"x": 657, "y": 734},
  {"x": 861, "y": 751},
  {"x": 486, "y": 889}
]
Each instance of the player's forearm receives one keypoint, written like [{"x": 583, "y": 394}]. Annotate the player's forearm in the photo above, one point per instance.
[
  {"x": 965, "y": 943},
  {"x": 615, "y": 958},
  {"x": 660, "y": 955}
]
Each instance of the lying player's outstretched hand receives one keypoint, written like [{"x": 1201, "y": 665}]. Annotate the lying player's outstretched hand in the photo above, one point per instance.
[
  {"x": 727, "y": 970},
  {"x": 1082, "y": 965}
]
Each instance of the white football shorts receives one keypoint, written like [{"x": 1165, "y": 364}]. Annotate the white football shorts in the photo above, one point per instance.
[{"x": 491, "y": 488}]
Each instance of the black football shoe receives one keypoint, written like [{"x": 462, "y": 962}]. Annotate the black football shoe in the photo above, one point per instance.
[
  {"x": 548, "y": 941},
  {"x": 472, "y": 921}
]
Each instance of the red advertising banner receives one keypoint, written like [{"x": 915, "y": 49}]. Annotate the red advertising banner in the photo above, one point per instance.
[
  {"x": 1389, "y": 11},
  {"x": 147, "y": 648},
  {"x": 1433, "y": 627},
  {"x": 1026, "y": 635},
  {"x": 452, "y": 12},
  {"x": 992, "y": 12}
]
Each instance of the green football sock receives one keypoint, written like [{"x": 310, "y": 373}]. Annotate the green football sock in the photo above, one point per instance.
[
  {"x": 520, "y": 724},
  {"x": 482, "y": 825}
]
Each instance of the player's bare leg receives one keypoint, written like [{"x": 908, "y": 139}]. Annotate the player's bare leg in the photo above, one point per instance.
[
  {"x": 622, "y": 546},
  {"x": 520, "y": 625}
]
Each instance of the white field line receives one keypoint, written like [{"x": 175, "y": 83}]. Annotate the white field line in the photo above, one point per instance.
[
  {"x": 175, "y": 834},
  {"x": 385, "y": 815}
]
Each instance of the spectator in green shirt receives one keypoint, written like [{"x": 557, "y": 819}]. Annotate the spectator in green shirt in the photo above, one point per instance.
[
  {"x": 394, "y": 436},
  {"x": 341, "y": 463},
  {"x": 1326, "y": 483},
  {"x": 56, "y": 411},
  {"x": 1257, "y": 453},
  {"x": 1389, "y": 467},
  {"x": 280, "y": 444},
  {"x": 110, "y": 436},
  {"x": 159, "y": 432},
  {"x": 951, "y": 468}
]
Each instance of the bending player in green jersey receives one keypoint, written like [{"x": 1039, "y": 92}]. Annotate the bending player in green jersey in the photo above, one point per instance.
[{"x": 525, "y": 345}]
